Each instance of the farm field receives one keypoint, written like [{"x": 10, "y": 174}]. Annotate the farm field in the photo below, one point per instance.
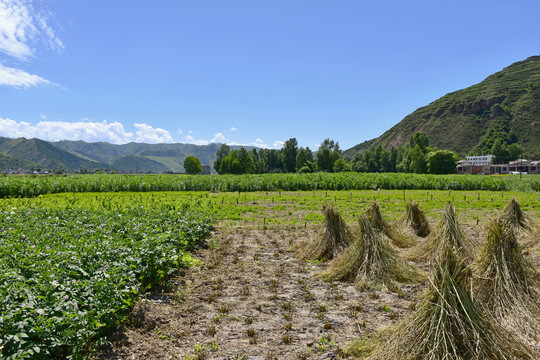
[
  {"x": 246, "y": 295},
  {"x": 30, "y": 186}
]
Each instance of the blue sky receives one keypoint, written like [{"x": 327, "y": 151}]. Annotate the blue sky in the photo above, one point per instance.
[{"x": 252, "y": 72}]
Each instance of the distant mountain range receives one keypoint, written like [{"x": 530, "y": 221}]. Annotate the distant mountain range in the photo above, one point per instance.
[
  {"x": 78, "y": 155},
  {"x": 506, "y": 103}
]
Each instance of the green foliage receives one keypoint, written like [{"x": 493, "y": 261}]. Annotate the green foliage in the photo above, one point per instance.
[
  {"x": 342, "y": 165},
  {"x": 192, "y": 165},
  {"x": 289, "y": 153},
  {"x": 441, "y": 162},
  {"x": 223, "y": 151},
  {"x": 329, "y": 152},
  {"x": 303, "y": 158},
  {"x": 419, "y": 139},
  {"x": 67, "y": 276},
  {"x": 30, "y": 186},
  {"x": 418, "y": 160}
]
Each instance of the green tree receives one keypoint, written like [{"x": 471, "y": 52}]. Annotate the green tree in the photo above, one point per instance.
[
  {"x": 441, "y": 162},
  {"x": 342, "y": 165},
  {"x": 329, "y": 152},
  {"x": 288, "y": 153},
  {"x": 192, "y": 165},
  {"x": 515, "y": 151},
  {"x": 246, "y": 161},
  {"x": 421, "y": 139},
  {"x": 418, "y": 160},
  {"x": 303, "y": 157},
  {"x": 230, "y": 164},
  {"x": 500, "y": 151},
  {"x": 223, "y": 151}
]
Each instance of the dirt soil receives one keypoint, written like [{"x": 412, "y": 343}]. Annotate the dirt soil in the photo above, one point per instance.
[{"x": 252, "y": 299}]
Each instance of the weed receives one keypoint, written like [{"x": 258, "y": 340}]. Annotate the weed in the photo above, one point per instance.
[
  {"x": 288, "y": 326},
  {"x": 287, "y": 339},
  {"x": 327, "y": 326},
  {"x": 212, "y": 330},
  {"x": 287, "y": 306}
]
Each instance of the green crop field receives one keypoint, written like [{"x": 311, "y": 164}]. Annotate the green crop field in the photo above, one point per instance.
[
  {"x": 73, "y": 262},
  {"x": 68, "y": 274},
  {"x": 30, "y": 186}
]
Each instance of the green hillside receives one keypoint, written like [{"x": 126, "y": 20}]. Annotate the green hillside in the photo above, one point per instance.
[
  {"x": 8, "y": 162},
  {"x": 505, "y": 105},
  {"x": 45, "y": 155},
  {"x": 171, "y": 156},
  {"x": 137, "y": 164}
]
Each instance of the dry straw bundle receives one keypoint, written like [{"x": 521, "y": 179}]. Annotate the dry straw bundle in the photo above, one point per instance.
[
  {"x": 372, "y": 262},
  {"x": 447, "y": 323},
  {"x": 527, "y": 231},
  {"x": 506, "y": 283},
  {"x": 398, "y": 238},
  {"x": 416, "y": 219},
  {"x": 513, "y": 215},
  {"x": 336, "y": 237},
  {"x": 448, "y": 233}
]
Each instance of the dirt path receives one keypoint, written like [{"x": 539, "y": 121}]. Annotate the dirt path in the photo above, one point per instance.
[{"x": 251, "y": 299}]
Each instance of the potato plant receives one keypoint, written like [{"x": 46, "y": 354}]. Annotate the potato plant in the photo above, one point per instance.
[{"x": 69, "y": 275}]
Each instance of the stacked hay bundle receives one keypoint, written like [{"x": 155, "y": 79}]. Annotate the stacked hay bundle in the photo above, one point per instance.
[
  {"x": 448, "y": 233},
  {"x": 524, "y": 227},
  {"x": 335, "y": 239},
  {"x": 371, "y": 262},
  {"x": 513, "y": 215},
  {"x": 506, "y": 283},
  {"x": 398, "y": 238},
  {"x": 416, "y": 219},
  {"x": 447, "y": 323}
]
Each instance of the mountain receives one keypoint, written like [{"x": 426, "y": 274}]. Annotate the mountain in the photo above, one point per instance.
[
  {"x": 506, "y": 104},
  {"x": 24, "y": 153},
  {"x": 138, "y": 164},
  {"x": 44, "y": 155},
  {"x": 171, "y": 156},
  {"x": 8, "y": 162}
]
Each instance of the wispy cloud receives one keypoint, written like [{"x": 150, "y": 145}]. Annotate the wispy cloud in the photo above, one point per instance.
[
  {"x": 19, "y": 78},
  {"x": 59, "y": 130},
  {"x": 233, "y": 129},
  {"x": 23, "y": 27}
]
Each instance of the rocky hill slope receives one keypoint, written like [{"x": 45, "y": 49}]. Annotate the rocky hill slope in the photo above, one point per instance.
[{"x": 506, "y": 104}]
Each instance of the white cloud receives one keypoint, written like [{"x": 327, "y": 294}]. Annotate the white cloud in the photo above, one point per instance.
[
  {"x": 19, "y": 78},
  {"x": 43, "y": 116},
  {"x": 259, "y": 143},
  {"x": 233, "y": 129},
  {"x": 148, "y": 134},
  {"x": 21, "y": 26},
  {"x": 59, "y": 130},
  {"x": 279, "y": 144},
  {"x": 218, "y": 138},
  {"x": 180, "y": 131}
]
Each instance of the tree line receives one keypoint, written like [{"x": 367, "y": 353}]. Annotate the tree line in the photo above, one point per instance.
[{"x": 417, "y": 156}]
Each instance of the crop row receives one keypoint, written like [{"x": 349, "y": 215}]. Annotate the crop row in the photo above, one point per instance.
[
  {"x": 67, "y": 276},
  {"x": 30, "y": 186}
]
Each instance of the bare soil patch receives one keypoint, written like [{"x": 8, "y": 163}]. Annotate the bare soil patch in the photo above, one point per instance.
[{"x": 251, "y": 299}]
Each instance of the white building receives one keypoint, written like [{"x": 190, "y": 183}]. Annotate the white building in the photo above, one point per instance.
[{"x": 480, "y": 160}]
